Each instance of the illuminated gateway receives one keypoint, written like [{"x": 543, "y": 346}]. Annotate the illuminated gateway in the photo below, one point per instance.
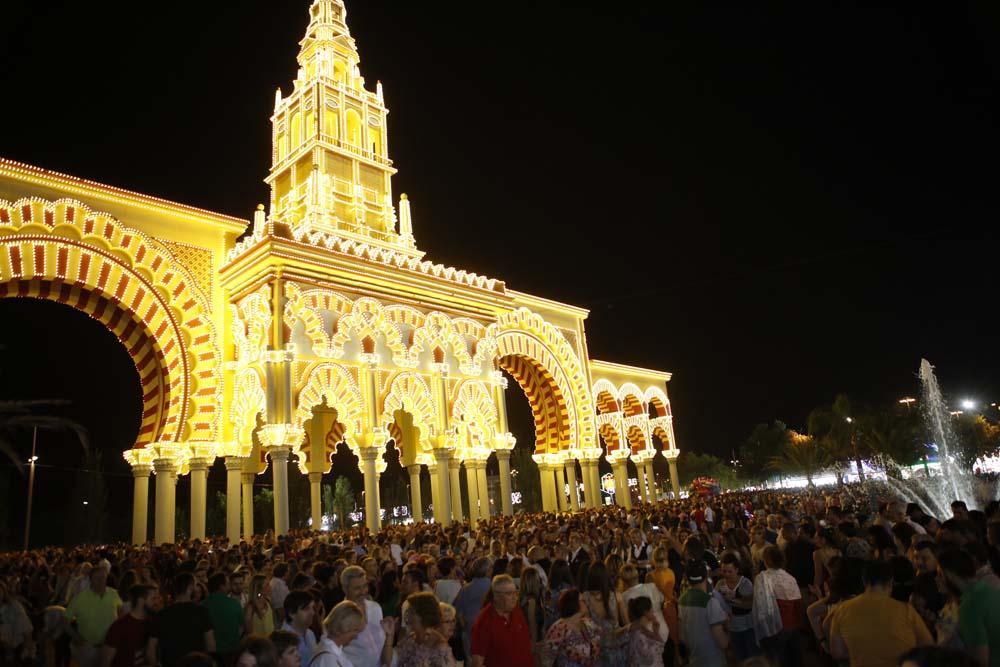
[{"x": 324, "y": 324}]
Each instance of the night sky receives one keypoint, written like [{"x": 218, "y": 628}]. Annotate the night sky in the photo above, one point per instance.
[{"x": 775, "y": 204}]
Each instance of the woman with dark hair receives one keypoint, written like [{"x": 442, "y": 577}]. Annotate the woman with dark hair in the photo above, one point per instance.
[
  {"x": 573, "y": 640},
  {"x": 645, "y": 647},
  {"x": 602, "y": 606},
  {"x": 426, "y": 643},
  {"x": 560, "y": 579},
  {"x": 826, "y": 551},
  {"x": 257, "y": 651},
  {"x": 388, "y": 594}
]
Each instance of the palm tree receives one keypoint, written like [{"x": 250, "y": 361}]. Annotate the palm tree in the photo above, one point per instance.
[
  {"x": 894, "y": 438},
  {"x": 343, "y": 499},
  {"x": 835, "y": 429},
  {"x": 801, "y": 455},
  {"x": 20, "y": 417}
]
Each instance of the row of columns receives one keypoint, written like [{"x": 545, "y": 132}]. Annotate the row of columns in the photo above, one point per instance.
[{"x": 445, "y": 472}]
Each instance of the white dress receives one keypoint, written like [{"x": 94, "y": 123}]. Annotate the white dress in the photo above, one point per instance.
[{"x": 649, "y": 590}]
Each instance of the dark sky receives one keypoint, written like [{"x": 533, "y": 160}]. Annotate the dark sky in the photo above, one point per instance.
[{"x": 775, "y": 203}]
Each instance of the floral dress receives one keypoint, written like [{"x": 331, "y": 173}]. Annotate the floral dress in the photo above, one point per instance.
[
  {"x": 645, "y": 648},
  {"x": 614, "y": 648},
  {"x": 567, "y": 646},
  {"x": 411, "y": 653}
]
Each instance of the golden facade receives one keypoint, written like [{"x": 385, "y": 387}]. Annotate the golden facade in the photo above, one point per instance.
[{"x": 271, "y": 341}]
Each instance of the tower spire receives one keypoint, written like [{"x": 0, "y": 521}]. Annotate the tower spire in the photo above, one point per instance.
[{"x": 330, "y": 169}]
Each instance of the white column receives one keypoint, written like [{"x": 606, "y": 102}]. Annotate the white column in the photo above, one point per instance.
[
  {"x": 574, "y": 500},
  {"x": 166, "y": 494},
  {"x": 279, "y": 472},
  {"x": 247, "y": 504},
  {"x": 484, "y": 490},
  {"x": 595, "y": 471},
  {"x": 417, "y": 508},
  {"x": 454, "y": 475},
  {"x": 675, "y": 482},
  {"x": 140, "y": 502},
  {"x": 560, "y": 482},
  {"x": 651, "y": 481},
  {"x": 547, "y": 482},
  {"x": 621, "y": 477},
  {"x": 640, "y": 473},
  {"x": 472, "y": 485},
  {"x": 199, "y": 496},
  {"x": 316, "y": 499},
  {"x": 442, "y": 502},
  {"x": 368, "y": 456},
  {"x": 503, "y": 458},
  {"x": 234, "y": 479}
]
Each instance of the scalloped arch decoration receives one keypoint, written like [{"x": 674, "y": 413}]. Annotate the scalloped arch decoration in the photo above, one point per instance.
[
  {"x": 249, "y": 401},
  {"x": 64, "y": 243},
  {"x": 368, "y": 319},
  {"x": 408, "y": 392},
  {"x": 564, "y": 410},
  {"x": 334, "y": 383},
  {"x": 474, "y": 412}
]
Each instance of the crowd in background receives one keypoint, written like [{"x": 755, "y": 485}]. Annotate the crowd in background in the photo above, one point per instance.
[{"x": 840, "y": 576}]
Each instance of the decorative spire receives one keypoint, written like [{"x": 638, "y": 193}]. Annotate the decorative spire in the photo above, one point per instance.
[{"x": 405, "y": 223}]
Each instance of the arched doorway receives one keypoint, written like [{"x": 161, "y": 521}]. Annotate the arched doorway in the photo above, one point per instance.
[
  {"x": 547, "y": 369},
  {"x": 69, "y": 367},
  {"x": 63, "y": 252}
]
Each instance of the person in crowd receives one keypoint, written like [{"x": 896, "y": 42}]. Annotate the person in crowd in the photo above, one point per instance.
[
  {"x": 226, "y": 615},
  {"x": 181, "y": 628},
  {"x": 530, "y": 601},
  {"x": 258, "y": 616},
  {"x": 632, "y": 589},
  {"x": 16, "y": 641},
  {"x": 777, "y": 610},
  {"x": 737, "y": 596},
  {"x": 299, "y": 610},
  {"x": 341, "y": 627},
  {"x": 372, "y": 646},
  {"x": 979, "y": 603},
  {"x": 279, "y": 587},
  {"x": 602, "y": 608},
  {"x": 93, "y": 610},
  {"x": 702, "y": 617},
  {"x": 255, "y": 651},
  {"x": 447, "y": 586},
  {"x": 500, "y": 634},
  {"x": 873, "y": 628},
  {"x": 645, "y": 646},
  {"x": 286, "y": 645},
  {"x": 425, "y": 644},
  {"x": 469, "y": 601},
  {"x": 449, "y": 626},
  {"x": 573, "y": 640},
  {"x": 125, "y": 642}
]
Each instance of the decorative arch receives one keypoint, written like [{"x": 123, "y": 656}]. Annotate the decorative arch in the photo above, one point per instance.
[
  {"x": 474, "y": 413},
  {"x": 368, "y": 319},
  {"x": 545, "y": 365},
  {"x": 334, "y": 384},
  {"x": 631, "y": 400},
  {"x": 438, "y": 331},
  {"x": 606, "y": 397},
  {"x": 65, "y": 252},
  {"x": 408, "y": 392},
  {"x": 249, "y": 401}
]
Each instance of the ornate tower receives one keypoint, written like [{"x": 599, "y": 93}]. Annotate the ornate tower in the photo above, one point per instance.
[{"x": 330, "y": 169}]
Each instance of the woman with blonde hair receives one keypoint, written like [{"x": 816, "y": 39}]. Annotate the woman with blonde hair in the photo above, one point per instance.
[
  {"x": 666, "y": 581},
  {"x": 449, "y": 625},
  {"x": 258, "y": 617}
]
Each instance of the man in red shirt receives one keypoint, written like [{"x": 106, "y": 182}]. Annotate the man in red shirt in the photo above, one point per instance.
[
  {"x": 500, "y": 634},
  {"x": 125, "y": 643}
]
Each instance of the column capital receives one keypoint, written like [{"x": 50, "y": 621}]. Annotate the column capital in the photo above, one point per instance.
[
  {"x": 142, "y": 469},
  {"x": 235, "y": 463},
  {"x": 504, "y": 442},
  {"x": 200, "y": 463},
  {"x": 274, "y": 436},
  {"x": 671, "y": 454},
  {"x": 454, "y": 463},
  {"x": 443, "y": 454},
  {"x": 368, "y": 453},
  {"x": 165, "y": 466},
  {"x": 502, "y": 454},
  {"x": 316, "y": 477},
  {"x": 278, "y": 454},
  {"x": 370, "y": 439}
]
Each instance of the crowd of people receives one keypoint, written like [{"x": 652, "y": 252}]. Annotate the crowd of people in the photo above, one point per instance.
[{"x": 776, "y": 578}]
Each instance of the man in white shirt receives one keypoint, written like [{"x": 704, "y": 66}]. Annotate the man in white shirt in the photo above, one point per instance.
[
  {"x": 372, "y": 646},
  {"x": 279, "y": 587}
]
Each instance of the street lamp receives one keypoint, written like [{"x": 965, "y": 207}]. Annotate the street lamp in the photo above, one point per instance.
[
  {"x": 968, "y": 404},
  {"x": 31, "y": 486}
]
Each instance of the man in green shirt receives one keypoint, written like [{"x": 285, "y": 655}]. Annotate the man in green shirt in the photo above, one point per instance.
[
  {"x": 93, "y": 610},
  {"x": 226, "y": 615},
  {"x": 979, "y": 611}
]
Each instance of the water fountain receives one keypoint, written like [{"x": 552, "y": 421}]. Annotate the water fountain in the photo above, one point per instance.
[{"x": 935, "y": 494}]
